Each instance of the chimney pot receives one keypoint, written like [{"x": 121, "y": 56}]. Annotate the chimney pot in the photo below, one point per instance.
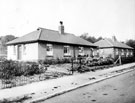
[{"x": 61, "y": 22}]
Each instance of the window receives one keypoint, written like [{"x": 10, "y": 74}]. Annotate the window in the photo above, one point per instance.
[
  {"x": 131, "y": 53},
  {"x": 67, "y": 51},
  {"x": 49, "y": 50},
  {"x": 122, "y": 52},
  {"x": 81, "y": 51},
  {"x": 127, "y": 52},
  {"x": 95, "y": 52}
]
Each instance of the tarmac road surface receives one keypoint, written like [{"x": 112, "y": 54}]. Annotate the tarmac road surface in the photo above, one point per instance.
[{"x": 120, "y": 89}]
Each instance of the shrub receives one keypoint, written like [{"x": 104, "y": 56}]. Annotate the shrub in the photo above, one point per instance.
[
  {"x": 31, "y": 69},
  {"x": 9, "y": 69},
  {"x": 100, "y": 62},
  {"x": 125, "y": 60},
  {"x": 55, "y": 61}
]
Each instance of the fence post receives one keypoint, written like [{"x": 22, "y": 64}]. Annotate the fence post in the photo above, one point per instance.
[
  {"x": 72, "y": 66},
  {"x": 120, "y": 60},
  {"x": 80, "y": 66}
]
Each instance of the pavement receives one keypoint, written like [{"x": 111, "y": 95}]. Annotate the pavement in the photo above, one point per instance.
[{"x": 43, "y": 90}]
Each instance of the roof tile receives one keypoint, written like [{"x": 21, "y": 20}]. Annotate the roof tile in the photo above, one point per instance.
[
  {"x": 104, "y": 43},
  {"x": 52, "y": 36}
]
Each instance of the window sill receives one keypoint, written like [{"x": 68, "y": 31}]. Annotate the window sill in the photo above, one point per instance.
[
  {"x": 49, "y": 55},
  {"x": 67, "y": 55}
]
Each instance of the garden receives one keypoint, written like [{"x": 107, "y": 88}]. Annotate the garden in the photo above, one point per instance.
[{"x": 14, "y": 73}]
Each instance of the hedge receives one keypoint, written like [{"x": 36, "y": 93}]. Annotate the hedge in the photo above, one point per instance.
[{"x": 9, "y": 69}]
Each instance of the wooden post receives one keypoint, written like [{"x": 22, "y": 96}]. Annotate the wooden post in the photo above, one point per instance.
[
  {"x": 72, "y": 66},
  {"x": 120, "y": 60},
  {"x": 80, "y": 66}
]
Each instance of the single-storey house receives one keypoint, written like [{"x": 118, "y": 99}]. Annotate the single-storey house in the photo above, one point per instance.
[
  {"x": 46, "y": 44},
  {"x": 112, "y": 48}
]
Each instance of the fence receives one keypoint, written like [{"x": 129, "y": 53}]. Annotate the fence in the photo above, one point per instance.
[{"x": 22, "y": 80}]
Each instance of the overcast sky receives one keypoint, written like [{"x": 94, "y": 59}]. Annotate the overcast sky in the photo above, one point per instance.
[{"x": 95, "y": 17}]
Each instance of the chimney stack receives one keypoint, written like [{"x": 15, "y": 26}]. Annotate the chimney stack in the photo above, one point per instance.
[
  {"x": 61, "y": 28},
  {"x": 114, "y": 38}
]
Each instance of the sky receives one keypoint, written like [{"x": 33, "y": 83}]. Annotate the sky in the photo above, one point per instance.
[{"x": 96, "y": 17}]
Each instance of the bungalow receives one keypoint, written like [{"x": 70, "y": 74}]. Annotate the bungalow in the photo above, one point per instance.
[
  {"x": 47, "y": 44},
  {"x": 113, "y": 48}
]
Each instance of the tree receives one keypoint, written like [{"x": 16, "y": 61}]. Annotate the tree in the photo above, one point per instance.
[
  {"x": 7, "y": 38},
  {"x": 84, "y": 36},
  {"x": 91, "y": 39},
  {"x": 131, "y": 43},
  {"x": 3, "y": 47}
]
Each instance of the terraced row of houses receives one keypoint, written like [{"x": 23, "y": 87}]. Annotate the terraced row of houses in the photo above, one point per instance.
[
  {"x": 47, "y": 44},
  {"x": 113, "y": 48}
]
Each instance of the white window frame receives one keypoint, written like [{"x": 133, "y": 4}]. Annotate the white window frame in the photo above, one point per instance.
[
  {"x": 81, "y": 50},
  {"x": 68, "y": 50},
  {"x": 50, "y": 48},
  {"x": 95, "y": 52},
  {"x": 122, "y": 52},
  {"x": 127, "y": 52},
  {"x": 131, "y": 52}
]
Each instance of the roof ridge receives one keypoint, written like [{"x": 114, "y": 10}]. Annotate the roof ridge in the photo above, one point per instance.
[
  {"x": 47, "y": 29},
  {"x": 55, "y": 30}
]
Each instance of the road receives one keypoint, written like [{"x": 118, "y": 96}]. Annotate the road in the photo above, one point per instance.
[{"x": 120, "y": 89}]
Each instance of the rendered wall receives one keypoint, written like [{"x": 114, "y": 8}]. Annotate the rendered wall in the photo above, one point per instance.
[
  {"x": 10, "y": 52},
  {"x": 106, "y": 52},
  {"x": 30, "y": 53},
  {"x": 58, "y": 51}
]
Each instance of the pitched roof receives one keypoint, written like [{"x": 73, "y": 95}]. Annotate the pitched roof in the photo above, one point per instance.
[
  {"x": 106, "y": 43},
  {"x": 42, "y": 34}
]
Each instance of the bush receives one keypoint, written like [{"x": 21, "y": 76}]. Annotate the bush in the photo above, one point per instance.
[
  {"x": 9, "y": 69},
  {"x": 125, "y": 60},
  {"x": 100, "y": 62},
  {"x": 55, "y": 61}
]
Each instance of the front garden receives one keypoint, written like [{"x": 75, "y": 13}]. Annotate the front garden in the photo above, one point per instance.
[{"x": 14, "y": 73}]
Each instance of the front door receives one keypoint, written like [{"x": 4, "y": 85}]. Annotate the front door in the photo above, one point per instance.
[{"x": 19, "y": 52}]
